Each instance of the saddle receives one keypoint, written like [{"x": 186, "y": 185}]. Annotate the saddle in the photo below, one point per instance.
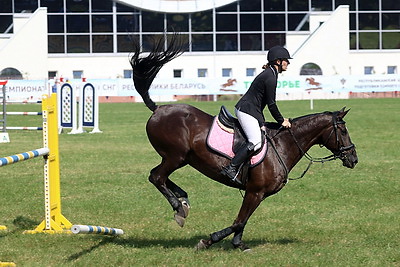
[{"x": 226, "y": 137}]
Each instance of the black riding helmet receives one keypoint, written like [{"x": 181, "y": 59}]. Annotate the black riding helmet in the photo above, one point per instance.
[{"x": 277, "y": 52}]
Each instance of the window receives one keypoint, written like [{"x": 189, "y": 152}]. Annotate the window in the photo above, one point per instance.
[
  {"x": 52, "y": 74},
  {"x": 310, "y": 69},
  {"x": 201, "y": 72},
  {"x": 369, "y": 70},
  {"x": 77, "y": 74},
  {"x": 178, "y": 73},
  {"x": 391, "y": 69},
  {"x": 128, "y": 74},
  {"x": 226, "y": 72},
  {"x": 250, "y": 72}
]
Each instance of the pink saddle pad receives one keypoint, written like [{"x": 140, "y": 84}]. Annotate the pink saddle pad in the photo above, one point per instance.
[{"x": 220, "y": 139}]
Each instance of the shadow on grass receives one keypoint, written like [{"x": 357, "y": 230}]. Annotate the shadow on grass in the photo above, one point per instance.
[{"x": 173, "y": 243}]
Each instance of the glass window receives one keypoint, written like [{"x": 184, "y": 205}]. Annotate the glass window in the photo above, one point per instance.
[
  {"x": 77, "y": 6},
  {"x": 128, "y": 74},
  {"x": 183, "y": 39},
  {"x": 369, "y": 40},
  {"x": 250, "y": 42},
  {"x": 78, "y": 44},
  {"x": 274, "y": 5},
  {"x": 25, "y": 6},
  {"x": 297, "y": 5},
  {"x": 368, "y": 21},
  {"x": 368, "y": 5},
  {"x": 250, "y": 72},
  {"x": 102, "y": 43},
  {"x": 149, "y": 40},
  {"x": 353, "y": 21},
  {"x": 102, "y": 23},
  {"x": 227, "y": 23},
  {"x": 202, "y": 21},
  {"x": 321, "y": 5},
  {"x": 353, "y": 41},
  {"x": 273, "y": 39},
  {"x": 227, "y": 42},
  {"x": 391, "y": 21},
  {"x": 51, "y": 74},
  {"x": 392, "y": 70},
  {"x": 298, "y": 22},
  {"x": 6, "y": 24},
  {"x": 369, "y": 70},
  {"x": 202, "y": 42},
  {"x": 6, "y": 6},
  {"x": 391, "y": 40},
  {"x": 227, "y": 72},
  {"x": 101, "y": 6},
  {"x": 351, "y": 3},
  {"x": 253, "y": 5},
  {"x": 77, "y": 74},
  {"x": 202, "y": 73},
  {"x": 55, "y": 24},
  {"x": 230, "y": 7},
  {"x": 390, "y": 5},
  {"x": 125, "y": 8},
  {"x": 152, "y": 22},
  {"x": 125, "y": 42},
  {"x": 77, "y": 23},
  {"x": 128, "y": 23},
  {"x": 177, "y": 22},
  {"x": 56, "y": 44},
  {"x": 274, "y": 22},
  {"x": 178, "y": 73},
  {"x": 310, "y": 69},
  {"x": 53, "y": 6},
  {"x": 250, "y": 22}
]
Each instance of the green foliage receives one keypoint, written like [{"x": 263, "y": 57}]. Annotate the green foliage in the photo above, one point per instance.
[{"x": 333, "y": 217}]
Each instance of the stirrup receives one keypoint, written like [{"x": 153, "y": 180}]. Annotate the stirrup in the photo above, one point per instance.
[{"x": 231, "y": 173}]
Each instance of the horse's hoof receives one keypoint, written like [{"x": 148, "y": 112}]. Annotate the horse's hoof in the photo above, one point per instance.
[
  {"x": 243, "y": 247},
  {"x": 179, "y": 219},
  {"x": 185, "y": 205},
  {"x": 202, "y": 245}
]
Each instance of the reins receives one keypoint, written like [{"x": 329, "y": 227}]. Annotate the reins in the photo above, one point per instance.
[{"x": 310, "y": 158}]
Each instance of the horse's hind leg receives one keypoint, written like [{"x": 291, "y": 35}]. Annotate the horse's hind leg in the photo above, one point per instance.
[{"x": 176, "y": 197}]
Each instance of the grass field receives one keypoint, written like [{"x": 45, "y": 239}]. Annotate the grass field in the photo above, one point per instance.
[{"x": 334, "y": 216}]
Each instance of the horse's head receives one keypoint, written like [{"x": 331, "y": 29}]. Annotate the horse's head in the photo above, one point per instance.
[{"x": 338, "y": 140}]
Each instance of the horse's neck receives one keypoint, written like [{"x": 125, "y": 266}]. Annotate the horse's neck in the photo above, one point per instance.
[{"x": 306, "y": 133}]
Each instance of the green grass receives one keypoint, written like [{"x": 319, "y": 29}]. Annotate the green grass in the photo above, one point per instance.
[{"x": 334, "y": 216}]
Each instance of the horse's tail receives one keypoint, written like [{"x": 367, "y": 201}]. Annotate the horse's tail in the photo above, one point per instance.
[{"x": 145, "y": 69}]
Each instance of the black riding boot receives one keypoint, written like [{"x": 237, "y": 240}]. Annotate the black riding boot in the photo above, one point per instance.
[{"x": 240, "y": 157}]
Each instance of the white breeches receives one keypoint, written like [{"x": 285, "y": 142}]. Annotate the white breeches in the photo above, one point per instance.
[{"x": 250, "y": 127}]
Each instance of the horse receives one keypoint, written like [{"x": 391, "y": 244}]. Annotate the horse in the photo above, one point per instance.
[{"x": 178, "y": 134}]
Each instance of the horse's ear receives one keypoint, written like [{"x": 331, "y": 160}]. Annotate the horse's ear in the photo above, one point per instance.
[{"x": 343, "y": 112}]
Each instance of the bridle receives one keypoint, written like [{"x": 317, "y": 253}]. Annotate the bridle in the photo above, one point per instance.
[{"x": 339, "y": 155}]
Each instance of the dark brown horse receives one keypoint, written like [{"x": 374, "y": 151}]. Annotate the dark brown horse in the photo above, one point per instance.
[{"x": 178, "y": 133}]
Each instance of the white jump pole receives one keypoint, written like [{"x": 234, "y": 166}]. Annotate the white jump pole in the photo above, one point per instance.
[{"x": 90, "y": 229}]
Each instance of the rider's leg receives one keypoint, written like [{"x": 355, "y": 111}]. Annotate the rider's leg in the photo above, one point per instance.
[{"x": 252, "y": 130}]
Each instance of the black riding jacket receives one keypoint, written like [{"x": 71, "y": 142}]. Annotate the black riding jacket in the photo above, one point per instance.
[{"x": 262, "y": 92}]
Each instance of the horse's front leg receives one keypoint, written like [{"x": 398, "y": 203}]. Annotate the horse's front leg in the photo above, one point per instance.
[{"x": 250, "y": 203}]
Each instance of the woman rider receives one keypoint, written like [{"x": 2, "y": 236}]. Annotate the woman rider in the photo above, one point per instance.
[{"x": 249, "y": 109}]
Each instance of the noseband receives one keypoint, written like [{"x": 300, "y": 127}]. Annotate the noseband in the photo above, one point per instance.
[{"x": 341, "y": 149}]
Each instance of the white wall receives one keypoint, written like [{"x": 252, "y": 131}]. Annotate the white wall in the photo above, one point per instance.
[
  {"x": 326, "y": 45},
  {"x": 26, "y": 49}
]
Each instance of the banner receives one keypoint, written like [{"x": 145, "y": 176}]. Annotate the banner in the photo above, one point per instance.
[{"x": 32, "y": 90}]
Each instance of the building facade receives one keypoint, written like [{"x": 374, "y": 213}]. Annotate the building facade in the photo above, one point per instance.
[{"x": 41, "y": 39}]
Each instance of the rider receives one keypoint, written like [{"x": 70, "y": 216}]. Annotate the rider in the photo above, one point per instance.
[{"x": 249, "y": 109}]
